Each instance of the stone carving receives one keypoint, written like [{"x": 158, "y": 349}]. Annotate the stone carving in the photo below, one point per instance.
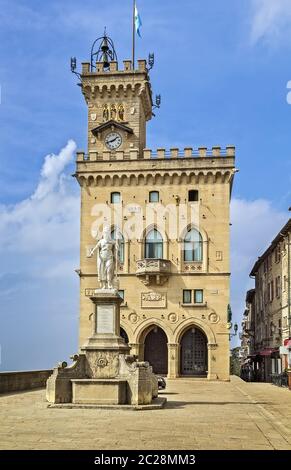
[
  {"x": 93, "y": 117},
  {"x": 133, "y": 317},
  {"x": 89, "y": 292},
  {"x": 193, "y": 267},
  {"x": 173, "y": 317},
  {"x": 113, "y": 112},
  {"x": 105, "y": 113},
  {"x": 153, "y": 300},
  {"x": 151, "y": 296},
  {"x": 213, "y": 317},
  {"x": 102, "y": 362},
  {"x": 106, "y": 259},
  {"x": 155, "y": 265},
  {"x": 121, "y": 112}
]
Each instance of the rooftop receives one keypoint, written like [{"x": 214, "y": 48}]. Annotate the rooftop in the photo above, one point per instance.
[{"x": 281, "y": 235}]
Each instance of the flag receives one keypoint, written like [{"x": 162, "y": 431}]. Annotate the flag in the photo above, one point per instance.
[{"x": 137, "y": 20}]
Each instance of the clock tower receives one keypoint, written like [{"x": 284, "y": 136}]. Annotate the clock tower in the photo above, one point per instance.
[
  {"x": 168, "y": 210},
  {"x": 119, "y": 102}
]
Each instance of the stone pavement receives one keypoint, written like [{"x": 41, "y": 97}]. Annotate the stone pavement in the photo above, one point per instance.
[{"x": 199, "y": 415}]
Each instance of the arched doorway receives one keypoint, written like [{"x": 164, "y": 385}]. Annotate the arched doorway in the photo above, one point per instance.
[
  {"x": 123, "y": 335},
  {"x": 194, "y": 357},
  {"x": 156, "y": 350}
]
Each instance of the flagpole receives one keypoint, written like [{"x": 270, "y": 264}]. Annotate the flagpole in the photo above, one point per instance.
[{"x": 133, "y": 36}]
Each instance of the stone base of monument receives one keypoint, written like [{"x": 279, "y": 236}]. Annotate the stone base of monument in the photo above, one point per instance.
[{"x": 104, "y": 374}]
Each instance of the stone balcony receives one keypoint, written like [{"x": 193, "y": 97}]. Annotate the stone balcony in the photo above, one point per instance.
[
  {"x": 157, "y": 270},
  {"x": 248, "y": 326}
]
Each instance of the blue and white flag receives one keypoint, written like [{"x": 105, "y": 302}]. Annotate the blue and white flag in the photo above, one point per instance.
[{"x": 137, "y": 20}]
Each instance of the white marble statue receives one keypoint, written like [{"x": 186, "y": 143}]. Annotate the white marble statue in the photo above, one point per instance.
[{"x": 106, "y": 259}]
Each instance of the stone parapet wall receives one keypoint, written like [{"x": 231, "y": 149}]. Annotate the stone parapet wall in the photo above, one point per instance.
[{"x": 23, "y": 380}]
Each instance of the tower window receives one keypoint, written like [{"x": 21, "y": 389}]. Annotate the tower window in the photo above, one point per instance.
[
  {"x": 115, "y": 198},
  {"x": 193, "y": 195},
  {"x": 154, "y": 196}
]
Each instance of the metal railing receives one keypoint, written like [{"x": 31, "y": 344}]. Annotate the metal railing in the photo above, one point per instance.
[{"x": 281, "y": 380}]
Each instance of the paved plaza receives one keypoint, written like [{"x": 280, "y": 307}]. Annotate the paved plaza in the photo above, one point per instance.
[{"x": 198, "y": 415}]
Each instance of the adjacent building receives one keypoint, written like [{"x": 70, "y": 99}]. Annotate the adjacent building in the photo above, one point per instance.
[
  {"x": 169, "y": 213},
  {"x": 266, "y": 327}
]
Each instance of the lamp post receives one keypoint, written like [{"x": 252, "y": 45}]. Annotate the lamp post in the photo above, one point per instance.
[{"x": 235, "y": 329}]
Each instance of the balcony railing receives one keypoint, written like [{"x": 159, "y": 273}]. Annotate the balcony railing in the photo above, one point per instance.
[{"x": 159, "y": 269}]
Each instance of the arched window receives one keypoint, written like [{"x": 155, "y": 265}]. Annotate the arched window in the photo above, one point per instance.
[
  {"x": 115, "y": 198},
  {"x": 193, "y": 248},
  {"x": 117, "y": 235},
  {"x": 154, "y": 196},
  {"x": 154, "y": 245}
]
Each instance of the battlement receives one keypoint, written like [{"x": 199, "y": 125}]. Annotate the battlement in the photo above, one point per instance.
[
  {"x": 113, "y": 67},
  {"x": 159, "y": 154}
]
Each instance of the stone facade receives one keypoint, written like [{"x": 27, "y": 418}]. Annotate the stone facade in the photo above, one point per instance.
[
  {"x": 269, "y": 324},
  {"x": 247, "y": 327},
  {"x": 170, "y": 294}
]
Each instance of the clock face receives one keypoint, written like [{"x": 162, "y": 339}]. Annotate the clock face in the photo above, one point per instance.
[{"x": 113, "y": 140}]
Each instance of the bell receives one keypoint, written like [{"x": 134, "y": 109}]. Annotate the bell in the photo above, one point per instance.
[
  {"x": 104, "y": 45},
  {"x": 105, "y": 60}
]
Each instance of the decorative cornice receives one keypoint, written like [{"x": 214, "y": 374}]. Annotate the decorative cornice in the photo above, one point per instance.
[{"x": 151, "y": 177}]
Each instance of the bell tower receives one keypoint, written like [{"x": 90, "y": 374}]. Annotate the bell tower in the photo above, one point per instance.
[{"x": 119, "y": 102}]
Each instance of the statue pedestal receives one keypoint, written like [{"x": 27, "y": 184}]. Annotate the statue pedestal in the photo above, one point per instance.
[
  {"x": 104, "y": 374},
  {"x": 105, "y": 344}
]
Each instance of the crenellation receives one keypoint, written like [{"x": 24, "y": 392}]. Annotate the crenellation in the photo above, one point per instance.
[
  {"x": 147, "y": 154},
  {"x": 127, "y": 65},
  {"x": 142, "y": 65},
  {"x": 216, "y": 151},
  {"x": 133, "y": 154},
  {"x": 85, "y": 68},
  {"x": 93, "y": 156},
  {"x": 113, "y": 66},
  {"x": 188, "y": 152},
  {"x": 106, "y": 155},
  {"x": 119, "y": 154},
  {"x": 162, "y": 154},
  {"x": 80, "y": 156},
  {"x": 202, "y": 152},
  {"x": 174, "y": 152},
  {"x": 230, "y": 150}
]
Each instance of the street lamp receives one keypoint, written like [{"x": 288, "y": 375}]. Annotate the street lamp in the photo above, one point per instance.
[{"x": 235, "y": 329}]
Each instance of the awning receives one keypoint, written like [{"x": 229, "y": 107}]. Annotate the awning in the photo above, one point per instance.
[
  {"x": 287, "y": 343},
  {"x": 268, "y": 351}
]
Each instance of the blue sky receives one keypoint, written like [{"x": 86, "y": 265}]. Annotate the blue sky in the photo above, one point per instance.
[{"x": 222, "y": 69}]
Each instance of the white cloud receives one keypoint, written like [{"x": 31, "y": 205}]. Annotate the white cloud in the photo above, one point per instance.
[
  {"x": 270, "y": 18},
  {"x": 47, "y": 222},
  {"x": 39, "y": 250}
]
